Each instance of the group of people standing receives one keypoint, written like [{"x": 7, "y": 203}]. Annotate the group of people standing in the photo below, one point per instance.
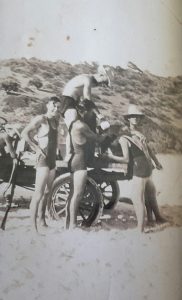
[
  {"x": 80, "y": 115},
  {"x": 79, "y": 136}
]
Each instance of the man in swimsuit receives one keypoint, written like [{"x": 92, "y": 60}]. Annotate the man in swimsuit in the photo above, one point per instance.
[
  {"x": 79, "y": 89},
  {"x": 80, "y": 135},
  {"x": 45, "y": 127}
]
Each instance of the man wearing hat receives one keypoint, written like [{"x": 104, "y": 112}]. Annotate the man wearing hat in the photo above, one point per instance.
[
  {"x": 77, "y": 94},
  {"x": 137, "y": 153},
  {"x": 80, "y": 88}
]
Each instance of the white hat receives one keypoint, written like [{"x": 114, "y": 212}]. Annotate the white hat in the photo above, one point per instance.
[
  {"x": 133, "y": 111},
  {"x": 108, "y": 72}
]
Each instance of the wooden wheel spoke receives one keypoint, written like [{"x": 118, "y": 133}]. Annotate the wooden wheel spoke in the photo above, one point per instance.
[
  {"x": 82, "y": 215},
  {"x": 61, "y": 211},
  {"x": 61, "y": 198}
]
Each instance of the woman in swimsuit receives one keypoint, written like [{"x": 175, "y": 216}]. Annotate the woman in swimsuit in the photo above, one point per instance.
[
  {"x": 80, "y": 135},
  {"x": 136, "y": 151}
]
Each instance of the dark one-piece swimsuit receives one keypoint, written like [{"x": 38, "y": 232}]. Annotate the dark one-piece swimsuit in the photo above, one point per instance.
[
  {"x": 50, "y": 151},
  {"x": 79, "y": 157}
]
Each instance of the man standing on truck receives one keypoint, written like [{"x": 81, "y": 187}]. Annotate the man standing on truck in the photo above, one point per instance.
[
  {"x": 78, "y": 92},
  {"x": 80, "y": 87}
]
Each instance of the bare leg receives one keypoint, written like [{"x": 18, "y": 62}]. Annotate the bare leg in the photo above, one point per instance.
[
  {"x": 79, "y": 181},
  {"x": 150, "y": 219},
  {"x": 67, "y": 224},
  {"x": 40, "y": 184},
  {"x": 139, "y": 201},
  {"x": 150, "y": 193},
  {"x": 43, "y": 201}
]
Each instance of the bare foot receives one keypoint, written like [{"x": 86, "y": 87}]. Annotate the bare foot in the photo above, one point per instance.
[
  {"x": 71, "y": 227},
  {"x": 43, "y": 223},
  {"x": 150, "y": 223},
  {"x": 161, "y": 220},
  {"x": 157, "y": 227},
  {"x": 44, "y": 229},
  {"x": 35, "y": 235},
  {"x": 150, "y": 229}
]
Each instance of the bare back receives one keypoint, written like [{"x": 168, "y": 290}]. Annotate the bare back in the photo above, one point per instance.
[{"x": 79, "y": 87}]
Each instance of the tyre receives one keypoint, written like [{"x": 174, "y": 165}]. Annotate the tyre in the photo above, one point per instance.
[
  {"x": 90, "y": 207},
  {"x": 110, "y": 192}
]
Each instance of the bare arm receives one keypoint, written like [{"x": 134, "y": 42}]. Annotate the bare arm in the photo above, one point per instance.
[
  {"x": 87, "y": 89},
  {"x": 125, "y": 149},
  {"x": 9, "y": 146},
  {"x": 154, "y": 158},
  {"x": 30, "y": 129},
  {"x": 90, "y": 135}
]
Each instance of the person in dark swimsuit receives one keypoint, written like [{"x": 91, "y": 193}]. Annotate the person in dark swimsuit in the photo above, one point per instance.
[
  {"x": 79, "y": 156},
  {"x": 134, "y": 167},
  {"x": 134, "y": 147},
  {"x": 80, "y": 135},
  {"x": 50, "y": 159},
  {"x": 45, "y": 145}
]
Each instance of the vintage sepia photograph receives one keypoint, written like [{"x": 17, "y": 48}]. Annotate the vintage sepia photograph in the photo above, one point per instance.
[{"x": 90, "y": 149}]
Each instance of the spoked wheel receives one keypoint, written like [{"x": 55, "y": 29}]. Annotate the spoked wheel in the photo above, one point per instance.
[
  {"x": 90, "y": 207},
  {"x": 110, "y": 193}
]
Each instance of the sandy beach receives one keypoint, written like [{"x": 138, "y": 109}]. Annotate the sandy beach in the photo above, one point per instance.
[
  {"x": 103, "y": 262},
  {"x": 108, "y": 261}
]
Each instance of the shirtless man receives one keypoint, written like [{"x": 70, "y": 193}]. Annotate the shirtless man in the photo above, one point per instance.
[
  {"x": 45, "y": 126},
  {"x": 80, "y": 135},
  {"x": 78, "y": 89}
]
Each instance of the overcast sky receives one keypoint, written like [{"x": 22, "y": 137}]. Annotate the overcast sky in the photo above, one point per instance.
[{"x": 146, "y": 32}]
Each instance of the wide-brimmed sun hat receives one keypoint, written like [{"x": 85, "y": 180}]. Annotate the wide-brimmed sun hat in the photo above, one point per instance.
[
  {"x": 133, "y": 112},
  {"x": 108, "y": 72}
]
